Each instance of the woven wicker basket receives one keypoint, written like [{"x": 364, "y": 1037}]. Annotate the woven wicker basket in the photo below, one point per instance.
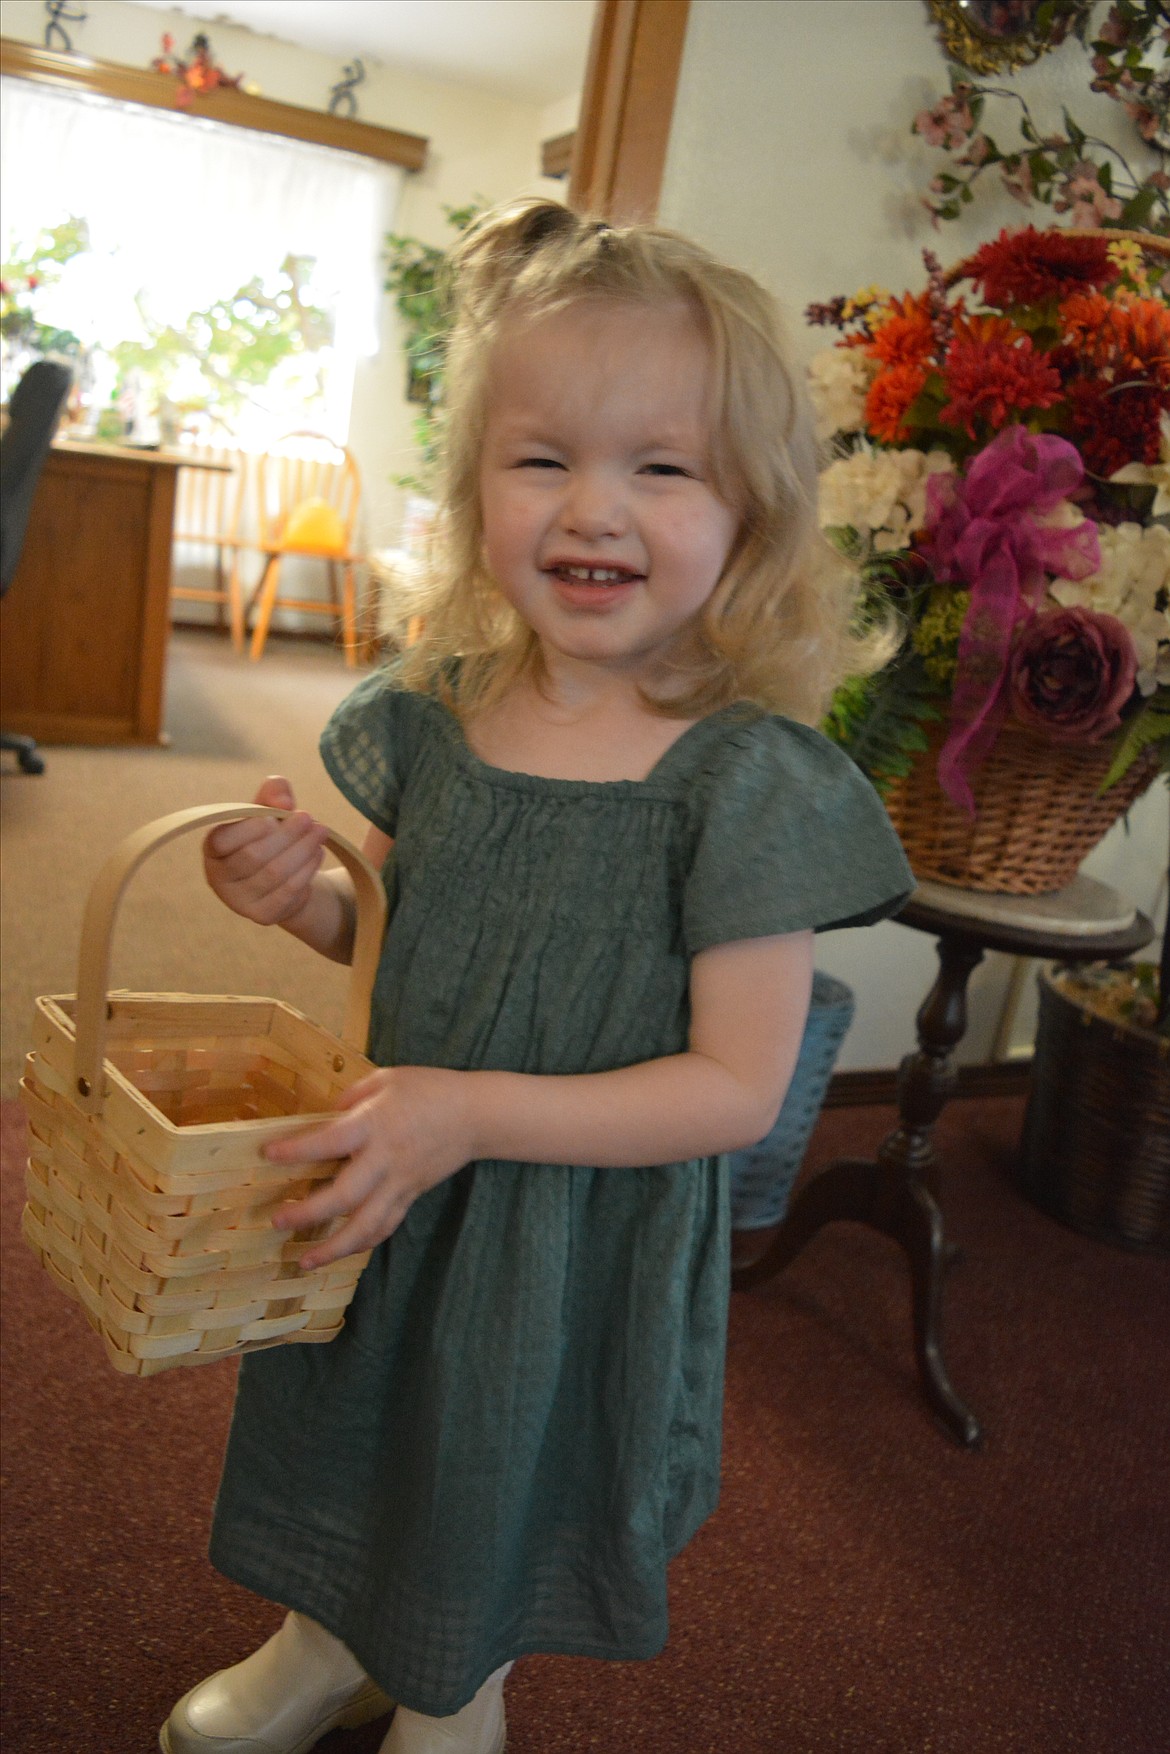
[
  {"x": 1096, "y": 1143},
  {"x": 1037, "y": 813},
  {"x": 149, "y": 1202}
]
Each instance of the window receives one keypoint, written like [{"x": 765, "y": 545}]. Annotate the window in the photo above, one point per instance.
[{"x": 231, "y": 276}]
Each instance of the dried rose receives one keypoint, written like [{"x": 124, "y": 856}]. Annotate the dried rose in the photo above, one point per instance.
[{"x": 1072, "y": 671}]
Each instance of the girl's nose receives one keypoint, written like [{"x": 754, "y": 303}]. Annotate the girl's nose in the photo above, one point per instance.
[{"x": 594, "y": 505}]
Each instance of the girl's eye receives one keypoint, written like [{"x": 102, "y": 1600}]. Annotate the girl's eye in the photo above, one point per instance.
[
  {"x": 539, "y": 463},
  {"x": 666, "y": 469}
]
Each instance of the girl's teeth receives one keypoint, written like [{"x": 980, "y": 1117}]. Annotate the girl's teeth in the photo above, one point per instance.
[{"x": 594, "y": 575}]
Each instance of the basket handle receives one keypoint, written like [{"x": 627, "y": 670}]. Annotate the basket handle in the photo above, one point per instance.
[{"x": 93, "y": 972}]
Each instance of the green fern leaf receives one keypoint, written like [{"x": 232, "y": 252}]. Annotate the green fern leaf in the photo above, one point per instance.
[
  {"x": 1151, "y": 725},
  {"x": 880, "y": 721}
]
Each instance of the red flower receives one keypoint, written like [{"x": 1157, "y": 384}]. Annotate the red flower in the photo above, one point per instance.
[
  {"x": 1031, "y": 267},
  {"x": 992, "y": 373},
  {"x": 1072, "y": 671},
  {"x": 1112, "y": 427}
]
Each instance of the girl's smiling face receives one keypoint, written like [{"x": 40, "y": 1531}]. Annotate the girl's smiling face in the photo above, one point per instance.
[{"x": 601, "y": 524}]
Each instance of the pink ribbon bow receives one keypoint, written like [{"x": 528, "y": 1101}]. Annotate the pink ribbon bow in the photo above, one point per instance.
[{"x": 981, "y": 532}]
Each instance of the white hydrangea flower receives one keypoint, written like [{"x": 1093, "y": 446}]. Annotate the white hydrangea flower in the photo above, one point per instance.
[
  {"x": 1153, "y": 474},
  {"x": 838, "y": 378},
  {"x": 880, "y": 494},
  {"x": 1151, "y": 639},
  {"x": 1064, "y": 515},
  {"x": 1135, "y": 567}
]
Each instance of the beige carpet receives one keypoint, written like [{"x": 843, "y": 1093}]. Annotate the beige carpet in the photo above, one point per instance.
[{"x": 230, "y": 722}]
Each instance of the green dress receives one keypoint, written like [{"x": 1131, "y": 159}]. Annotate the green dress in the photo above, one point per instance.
[{"x": 519, "y": 1424}]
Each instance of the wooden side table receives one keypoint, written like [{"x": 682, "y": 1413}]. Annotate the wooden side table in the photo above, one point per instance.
[{"x": 898, "y": 1192}]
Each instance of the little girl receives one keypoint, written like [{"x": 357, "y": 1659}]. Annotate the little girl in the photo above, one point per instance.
[{"x": 606, "y": 854}]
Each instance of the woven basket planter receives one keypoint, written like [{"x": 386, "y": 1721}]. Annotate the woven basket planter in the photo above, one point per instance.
[
  {"x": 149, "y": 1202},
  {"x": 1096, "y": 1142},
  {"x": 1037, "y": 813}
]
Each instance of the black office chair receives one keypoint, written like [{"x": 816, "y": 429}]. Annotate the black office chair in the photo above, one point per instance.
[{"x": 33, "y": 414}]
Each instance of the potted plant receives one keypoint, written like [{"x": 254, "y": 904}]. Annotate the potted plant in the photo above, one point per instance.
[
  {"x": 998, "y": 469},
  {"x": 1096, "y": 1144},
  {"x": 414, "y": 274}
]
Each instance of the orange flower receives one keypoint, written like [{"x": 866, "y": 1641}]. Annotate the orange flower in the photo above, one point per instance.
[
  {"x": 1128, "y": 334},
  {"x": 904, "y": 336},
  {"x": 888, "y": 399},
  {"x": 989, "y": 331}
]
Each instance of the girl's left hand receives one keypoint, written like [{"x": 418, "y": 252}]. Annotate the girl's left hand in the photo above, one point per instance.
[{"x": 401, "y": 1130}]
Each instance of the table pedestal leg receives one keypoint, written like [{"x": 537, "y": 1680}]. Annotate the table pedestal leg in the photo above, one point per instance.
[{"x": 897, "y": 1194}]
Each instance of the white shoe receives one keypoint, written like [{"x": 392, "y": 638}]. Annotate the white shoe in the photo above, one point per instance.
[
  {"x": 280, "y": 1700},
  {"x": 477, "y": 1729}
]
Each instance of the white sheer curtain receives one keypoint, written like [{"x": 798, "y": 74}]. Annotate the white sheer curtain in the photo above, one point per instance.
[{"x": 183, "y": 211}]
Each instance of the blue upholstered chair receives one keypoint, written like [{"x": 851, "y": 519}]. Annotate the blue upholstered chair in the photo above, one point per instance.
[{"x": 762, "y": 1177}]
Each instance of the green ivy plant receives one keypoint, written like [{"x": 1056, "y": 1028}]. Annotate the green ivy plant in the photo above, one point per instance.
[{"x": 414, "y": 275}]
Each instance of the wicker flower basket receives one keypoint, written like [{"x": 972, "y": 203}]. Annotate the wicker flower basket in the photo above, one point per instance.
[
  {"x": 1037, "y": 813},
  {"x": 1096, "y": 1143},
  {"x": 149, "y": 1202}
]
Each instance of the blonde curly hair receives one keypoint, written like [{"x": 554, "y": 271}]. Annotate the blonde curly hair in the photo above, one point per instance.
[{"x": 777, "y": 629}]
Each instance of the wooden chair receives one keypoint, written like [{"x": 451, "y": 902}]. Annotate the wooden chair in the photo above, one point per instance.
[
  {"x": 308, "y": 494},
  {"x": 208, "y": 507}
]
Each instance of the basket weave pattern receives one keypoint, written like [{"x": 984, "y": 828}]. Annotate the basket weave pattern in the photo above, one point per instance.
[
  {"x": 1037, "y": 813},
  {"x": 1096, "y": 1145},
  {"x": 149, "y": 1200},
  {"x": 175, "y": 1262}
]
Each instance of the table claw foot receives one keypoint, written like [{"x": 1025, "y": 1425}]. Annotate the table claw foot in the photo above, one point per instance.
[{"x": 846, "y": 1189}]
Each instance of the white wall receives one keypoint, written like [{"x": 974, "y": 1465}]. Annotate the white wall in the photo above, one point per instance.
[
  {"x": 480, "y": 145},
  {"x": 791, "y": 155}
]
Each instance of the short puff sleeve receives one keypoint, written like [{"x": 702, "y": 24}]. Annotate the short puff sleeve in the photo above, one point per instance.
[
  {"x": 368, "y": 747},
  {"x": 792, "y": 836}
]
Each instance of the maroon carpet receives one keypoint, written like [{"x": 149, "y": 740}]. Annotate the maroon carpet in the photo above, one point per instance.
[{"x": 865, "y": 1587}]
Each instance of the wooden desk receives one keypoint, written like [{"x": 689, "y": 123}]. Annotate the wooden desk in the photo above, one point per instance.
[{"x": 85, "y": 620}]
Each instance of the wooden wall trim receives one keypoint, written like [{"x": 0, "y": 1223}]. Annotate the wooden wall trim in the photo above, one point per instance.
[
  {"x": 160, "y": 91},
  {"x": 996, "y": 1078},
  {"x": 619, "y": 151}
]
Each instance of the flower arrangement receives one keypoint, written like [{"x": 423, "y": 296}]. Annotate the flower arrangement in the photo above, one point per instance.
[{"x": 999, "y": 471}]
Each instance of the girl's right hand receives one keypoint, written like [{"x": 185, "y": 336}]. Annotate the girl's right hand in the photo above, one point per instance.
[{"x": 263, "y": 867}]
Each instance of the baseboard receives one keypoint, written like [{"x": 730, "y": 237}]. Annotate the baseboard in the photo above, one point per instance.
[{"x": 862, "y": 1089}]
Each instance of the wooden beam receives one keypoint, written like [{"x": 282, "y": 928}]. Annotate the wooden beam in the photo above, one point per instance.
[
  {"x": 619, "y": 150},
  {"x": 160, "y": 91}
]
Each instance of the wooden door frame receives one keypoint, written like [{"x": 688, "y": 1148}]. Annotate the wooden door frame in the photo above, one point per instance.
[{"x": 619, "y": 152}]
